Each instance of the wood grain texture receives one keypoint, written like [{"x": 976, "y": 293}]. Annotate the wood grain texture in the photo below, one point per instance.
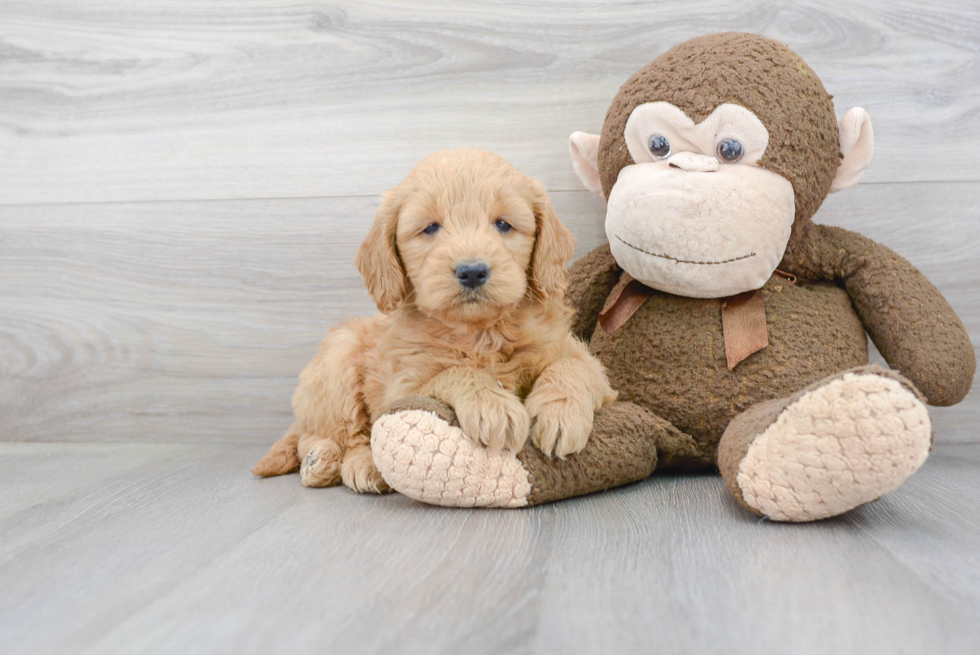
[
  {"x": 122, "y": 548},
  {"x": 179, "y": 99},
  {"x": 190, "y": 321}
]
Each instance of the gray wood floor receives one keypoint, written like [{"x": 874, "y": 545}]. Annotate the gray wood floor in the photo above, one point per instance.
[
  {"x": 182, "y": 186},
  {"x": 132, "y": 548}
]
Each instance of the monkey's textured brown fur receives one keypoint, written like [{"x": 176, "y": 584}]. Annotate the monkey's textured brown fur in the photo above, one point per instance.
[{"x": 670, "y": 356}]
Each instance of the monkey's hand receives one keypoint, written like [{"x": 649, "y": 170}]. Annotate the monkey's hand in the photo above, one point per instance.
[{"x": 908, "y": 319}]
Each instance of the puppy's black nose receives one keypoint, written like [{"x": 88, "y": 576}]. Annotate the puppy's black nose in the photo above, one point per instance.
[{"x": 472, "y": 276}]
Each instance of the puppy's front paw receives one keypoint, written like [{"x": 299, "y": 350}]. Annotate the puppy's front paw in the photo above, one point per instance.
[
  {"x": 495, "y": 418},
  {"x": 561, "y": 426}
]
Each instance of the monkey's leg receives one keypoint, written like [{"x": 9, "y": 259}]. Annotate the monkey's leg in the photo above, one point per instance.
[
  {"x": 422, "y": 453},
  {"x": 840, "y": 443}
]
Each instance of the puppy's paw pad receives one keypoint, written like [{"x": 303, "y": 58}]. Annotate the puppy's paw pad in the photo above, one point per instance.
[{"x": 321, "y": 466}]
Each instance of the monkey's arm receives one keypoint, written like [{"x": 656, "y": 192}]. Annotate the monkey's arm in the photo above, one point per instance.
[
  {"x": 589, "y": 282},
  {"x": 909, "y": 321}
]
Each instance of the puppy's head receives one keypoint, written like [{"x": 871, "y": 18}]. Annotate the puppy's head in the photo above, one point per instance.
[{"x": 465, "y": 236}]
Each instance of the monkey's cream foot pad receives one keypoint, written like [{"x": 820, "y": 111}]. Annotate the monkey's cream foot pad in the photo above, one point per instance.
[
  {"x": 836, "y": 447},
  {"x": 424, "y": 457}
]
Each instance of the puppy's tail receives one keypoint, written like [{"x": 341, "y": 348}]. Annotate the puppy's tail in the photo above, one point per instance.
[{"x": 282, "y": 457}]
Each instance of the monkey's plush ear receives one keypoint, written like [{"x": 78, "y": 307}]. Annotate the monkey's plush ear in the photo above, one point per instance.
[
  {"x": 377, "y": 259},
  {"x": 857, "y": 146},
  {"x": 553, "y": 248},
  {"x": 584, "y": 149}
]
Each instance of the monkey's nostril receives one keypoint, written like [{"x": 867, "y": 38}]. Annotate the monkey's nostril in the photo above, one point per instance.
[
  {"x": 473, "y": 275},
  {"x": 693, "y": 163}
]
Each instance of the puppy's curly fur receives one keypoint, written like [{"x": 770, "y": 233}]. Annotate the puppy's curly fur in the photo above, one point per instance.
[{"x": 467, "y": 261}]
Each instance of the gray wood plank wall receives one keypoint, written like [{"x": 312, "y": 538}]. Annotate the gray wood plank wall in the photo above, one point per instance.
[{"x": 183, "y": 184}]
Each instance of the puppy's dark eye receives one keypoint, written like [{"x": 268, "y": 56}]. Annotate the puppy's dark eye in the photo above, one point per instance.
[
  {"x": 730, "y": 150},
  {"x": 432, "y": 229},
  {"x": 659, "y": 146},
  {"x": 503, "y": 225}
]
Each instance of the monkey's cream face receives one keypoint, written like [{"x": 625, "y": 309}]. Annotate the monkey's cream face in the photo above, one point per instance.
[{"x": 695, "y": 215}]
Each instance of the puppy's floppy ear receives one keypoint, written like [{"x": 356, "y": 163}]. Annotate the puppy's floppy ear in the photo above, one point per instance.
[
  {"x": 377, "y": 258},
  {"x": 553, "y": 248}
]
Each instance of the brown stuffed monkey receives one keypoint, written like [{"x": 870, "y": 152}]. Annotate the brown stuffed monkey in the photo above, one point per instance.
[{"x": 734, "y": 328}]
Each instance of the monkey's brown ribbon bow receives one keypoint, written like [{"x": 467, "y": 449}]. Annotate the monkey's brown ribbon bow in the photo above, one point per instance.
[
  {"x": 624, "y": 304},
  {"x": 743, "y": 324},
  {"x": 743, "y": 318}
]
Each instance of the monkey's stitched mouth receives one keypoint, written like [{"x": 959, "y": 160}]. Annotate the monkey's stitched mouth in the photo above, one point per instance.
[{"x": 683, "y": 261}]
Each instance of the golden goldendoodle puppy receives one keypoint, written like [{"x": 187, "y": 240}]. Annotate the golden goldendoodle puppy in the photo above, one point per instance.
[{"x": 467, "y": 261}]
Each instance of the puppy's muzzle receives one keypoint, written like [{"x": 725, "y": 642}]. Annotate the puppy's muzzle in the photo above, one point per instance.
[{"x": 473, "y": 274}]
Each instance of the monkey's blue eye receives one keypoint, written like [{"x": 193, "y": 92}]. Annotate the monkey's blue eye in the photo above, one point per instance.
[
  {"x": 730, "y": 150},
  {"x": 659, "y": 146},
  {"x": 503, "y": 225},
  {"x": 432, "y": 229}
]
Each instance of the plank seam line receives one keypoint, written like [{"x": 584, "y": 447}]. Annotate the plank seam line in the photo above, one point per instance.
[{"x": 359, "y": 195}]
